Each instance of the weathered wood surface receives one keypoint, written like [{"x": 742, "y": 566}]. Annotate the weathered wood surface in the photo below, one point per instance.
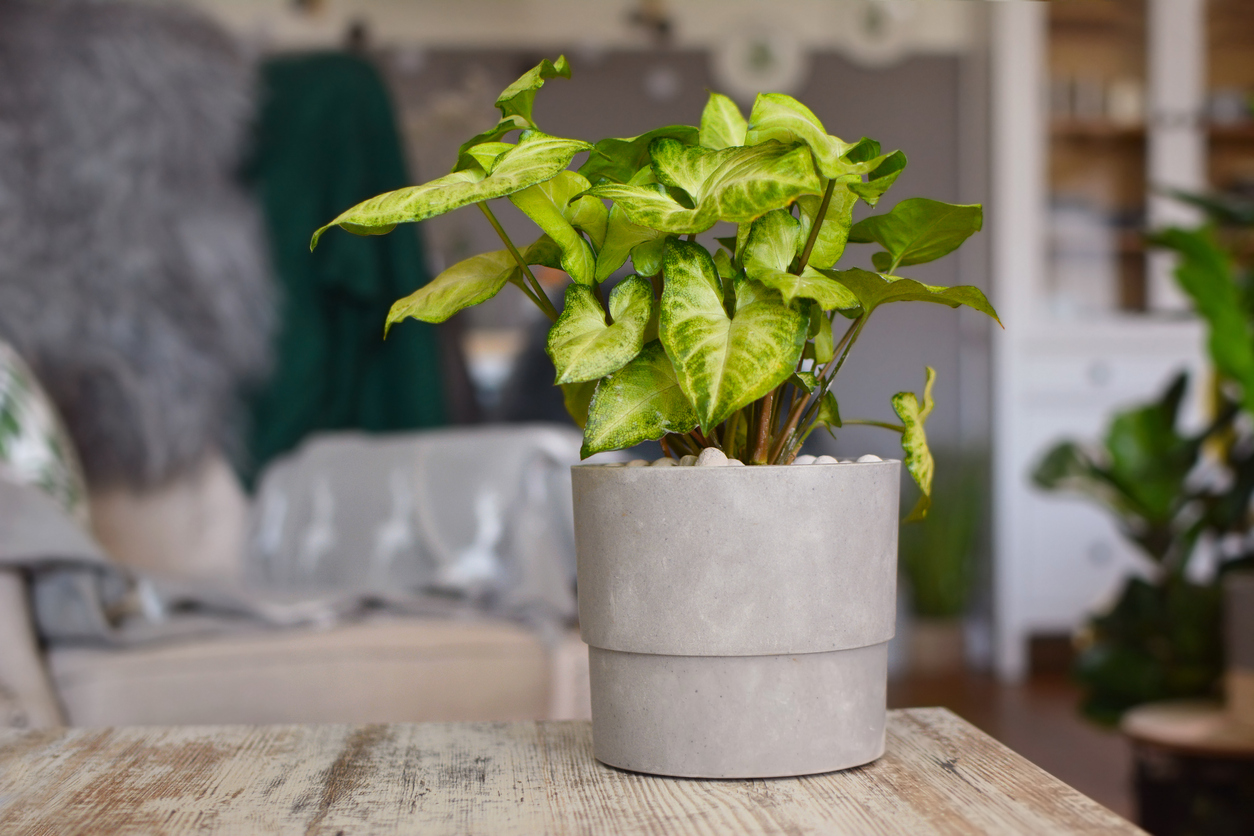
[{"x": 940, "y": 776}]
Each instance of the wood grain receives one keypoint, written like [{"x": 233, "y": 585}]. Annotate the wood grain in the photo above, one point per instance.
[{"x": 940, "y": 775}]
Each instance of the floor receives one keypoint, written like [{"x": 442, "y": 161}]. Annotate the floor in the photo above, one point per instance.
[{"x": 1038, "y": 719}]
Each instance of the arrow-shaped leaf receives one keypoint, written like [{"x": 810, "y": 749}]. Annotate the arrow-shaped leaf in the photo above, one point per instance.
[
  {"x": 834, "y": 231},
  {"x": 618, "y": 160},
  {"x": 583, "y": 346},
  {"x": 917, "y": 230},
  {"x": 770, "y": 249},
  {"x": 784, "y": 119},
  {"x": 641, "y": 401},
  {"x": 517, "y": 99},
  {"x": 879, "y": 181},
  {"x": 732, "y": 184},
  {"x": 722, "y": 124},
  {"x": 919, "y": 462},
  {"x": 724, "y": 363},
  {"x": 621, "y": 237},
  {"x": 467, "y": 283},
  {"x": 874, "y": 289},
  {"x": 548, "y": 204},
  {"x": 537, "y": 157}
]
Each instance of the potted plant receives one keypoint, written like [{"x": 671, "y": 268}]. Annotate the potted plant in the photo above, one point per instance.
[
  {"x": 737, "y": 616},
  {"x": 1172, "y": 491}
]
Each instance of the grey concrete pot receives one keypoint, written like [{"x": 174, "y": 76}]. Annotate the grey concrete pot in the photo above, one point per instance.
[{"x": 737, "y": 617}]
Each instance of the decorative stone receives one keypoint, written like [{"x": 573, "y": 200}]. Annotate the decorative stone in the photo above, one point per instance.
[
  {"x": 638, "y": 463},
  {"x": 688, "y": 461},
  {"x": 735, "y": 463},
  {"x": 870, "y": 457},
  {"x": 827, "y": 460},
  {"x": 665, "y": 461},
  {"x": 712, "y": 457},
  {"x": 806, "y": 459}
]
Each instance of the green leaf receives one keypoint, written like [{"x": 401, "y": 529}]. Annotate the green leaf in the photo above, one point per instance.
[
  {"x": 548, "y": 204},
  {"x": 1205, "y": 272},
  {"x": 468, "y": 159},
  {"x": 621, "y": 237},
  {"x": 583, "y": 346},
  {"x": 919, "y": 462},
  {"x": 466, "y": 283},
  {"x": 517, "y": 99},
  {"x": 784, "y": 119},
  {"x": 834, "y": 231},
  {"x": 590, "y": 215},
  {"x": 641, "y": 401},
  {"x": 804, "y": 380},
  {"x": 884, "y": 175},
  {"x": 470, "y": 282},
  {"x": 722, "y": 124},
  {"x": 576, "y": 397},
  {"x": 647, "y": 257},
  {"x": 874, "y": 289},
  {"x": 618, "y": 160},
  {"x": 537, "y": 157},
  {"x": 768, "y": 252},
  {"x": 917, "y": 230},
  {"x": 724, "y": 363},
  {"x": 821, "y": 332},
  {"x": 733, "y": 184}
]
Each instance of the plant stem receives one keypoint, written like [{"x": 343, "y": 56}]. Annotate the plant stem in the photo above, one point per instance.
[
  {"x": 866, "y": 422},
  {"x": 764, "y": 428},
  {"x": 814, "y": 229},
  {"x": 540, "y": 298}
]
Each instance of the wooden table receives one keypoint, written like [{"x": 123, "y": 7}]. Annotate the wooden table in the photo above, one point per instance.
[{"x": 940, "y": 775}]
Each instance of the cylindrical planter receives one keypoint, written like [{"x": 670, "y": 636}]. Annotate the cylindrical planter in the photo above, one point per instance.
[{"x": 737, "y": 617}]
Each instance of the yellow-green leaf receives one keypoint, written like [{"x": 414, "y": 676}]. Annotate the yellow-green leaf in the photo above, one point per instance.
[
  {"x": 583, "y": 346},
  {"x": 917, "y": 230},
  {"x": 618, "y": 160},
  {"x": 621, "y": 237},
  {"x": 466, "y": 283},
  {"x": 548, "y": 204},
  {"x": 722, "y": 124},
  {"x": 724, "y": 362},
  {"x": 919, "y": 462},
  {"x": 829, "y": 246},
  {"x": 641, "y": 401},
  {"x": 537, "y": 157},
  {"x": 768, "y": 253},
  {"x": 576, "y": 397},
  {"x": 517, "y": 99},
  {"x": 881, "y": 178},
  {"x": 732, "y": 184},
  {"x": 782, "y": 118}
]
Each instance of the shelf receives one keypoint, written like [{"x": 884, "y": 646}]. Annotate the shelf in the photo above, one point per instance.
[
  {"x": 1096, "y": 130},
  {"x": 1231, "y": 133}
]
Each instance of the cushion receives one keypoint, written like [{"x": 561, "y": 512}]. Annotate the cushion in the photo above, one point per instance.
[
  {"x": 389, "y": 670},
  {"x": 34, "y": 446}
]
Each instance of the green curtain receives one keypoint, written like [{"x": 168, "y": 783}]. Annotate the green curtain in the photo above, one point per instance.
[{"x": 327, "y": 139}]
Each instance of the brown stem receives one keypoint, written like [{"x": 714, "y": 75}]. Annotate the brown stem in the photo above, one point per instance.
[
  {"x": 666, "y": 450},
  {"x": 814, "y": 230},
  {"x": 764, "y": 428}
]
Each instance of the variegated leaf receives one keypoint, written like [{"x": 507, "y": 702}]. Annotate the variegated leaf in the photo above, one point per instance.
[
  {"x": 641, "y": 401},
  {"x": 918, "y": 458},
  {"x": 733, "y": 184},
  {"x": 881, "y": 178},
  {"x": 829, "y": 246},
  {"x": 722, "y": 124},
  {"x": 577, "y": 397},
  {"x": 621, "y": 237},
  {"x": 517, "y": 99},
  {"x": 581, "y": 344},
  {"x": 619, "y": 160},
  {"x": 724, "y": 363},
  {"x": 548, "y": 204},
  {"x": 768, "y": 252},
  {"x": 782, "y": 118},
  {"x": 537, "y": 157}
]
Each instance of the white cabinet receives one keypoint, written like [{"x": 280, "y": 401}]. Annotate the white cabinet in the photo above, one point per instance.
[{"x": 1068, "y": 132}]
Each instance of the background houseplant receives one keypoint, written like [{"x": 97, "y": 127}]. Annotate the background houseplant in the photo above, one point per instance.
[
  {"x": 734, "y": 349},
  {"x": 1175, "y": 494},
  {"x": 737, "y": 620}
]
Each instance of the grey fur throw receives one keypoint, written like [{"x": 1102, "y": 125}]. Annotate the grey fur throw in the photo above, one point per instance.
[{"x": 133, "y": 274}]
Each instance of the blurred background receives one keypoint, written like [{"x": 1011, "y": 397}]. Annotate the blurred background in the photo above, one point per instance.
[{"x": 260, "y": 503}]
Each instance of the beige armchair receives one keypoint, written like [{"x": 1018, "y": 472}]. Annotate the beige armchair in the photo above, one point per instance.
[{"x": 387, "y": 661}]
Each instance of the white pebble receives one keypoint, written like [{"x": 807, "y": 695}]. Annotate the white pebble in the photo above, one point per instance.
[
  {"x": 827, "y": 460},
  {"x": 638, "y": 463},
  {"x": 870, "y": 457},
  {"x": 735, "y": 463},
  {"x": 806, "y": 459},
  {"x": 615, "y": 464},
  {"x": 688, "y": 461},
  {"x": 665, "y": 461},
  {"x": 712, "y": 457}
]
